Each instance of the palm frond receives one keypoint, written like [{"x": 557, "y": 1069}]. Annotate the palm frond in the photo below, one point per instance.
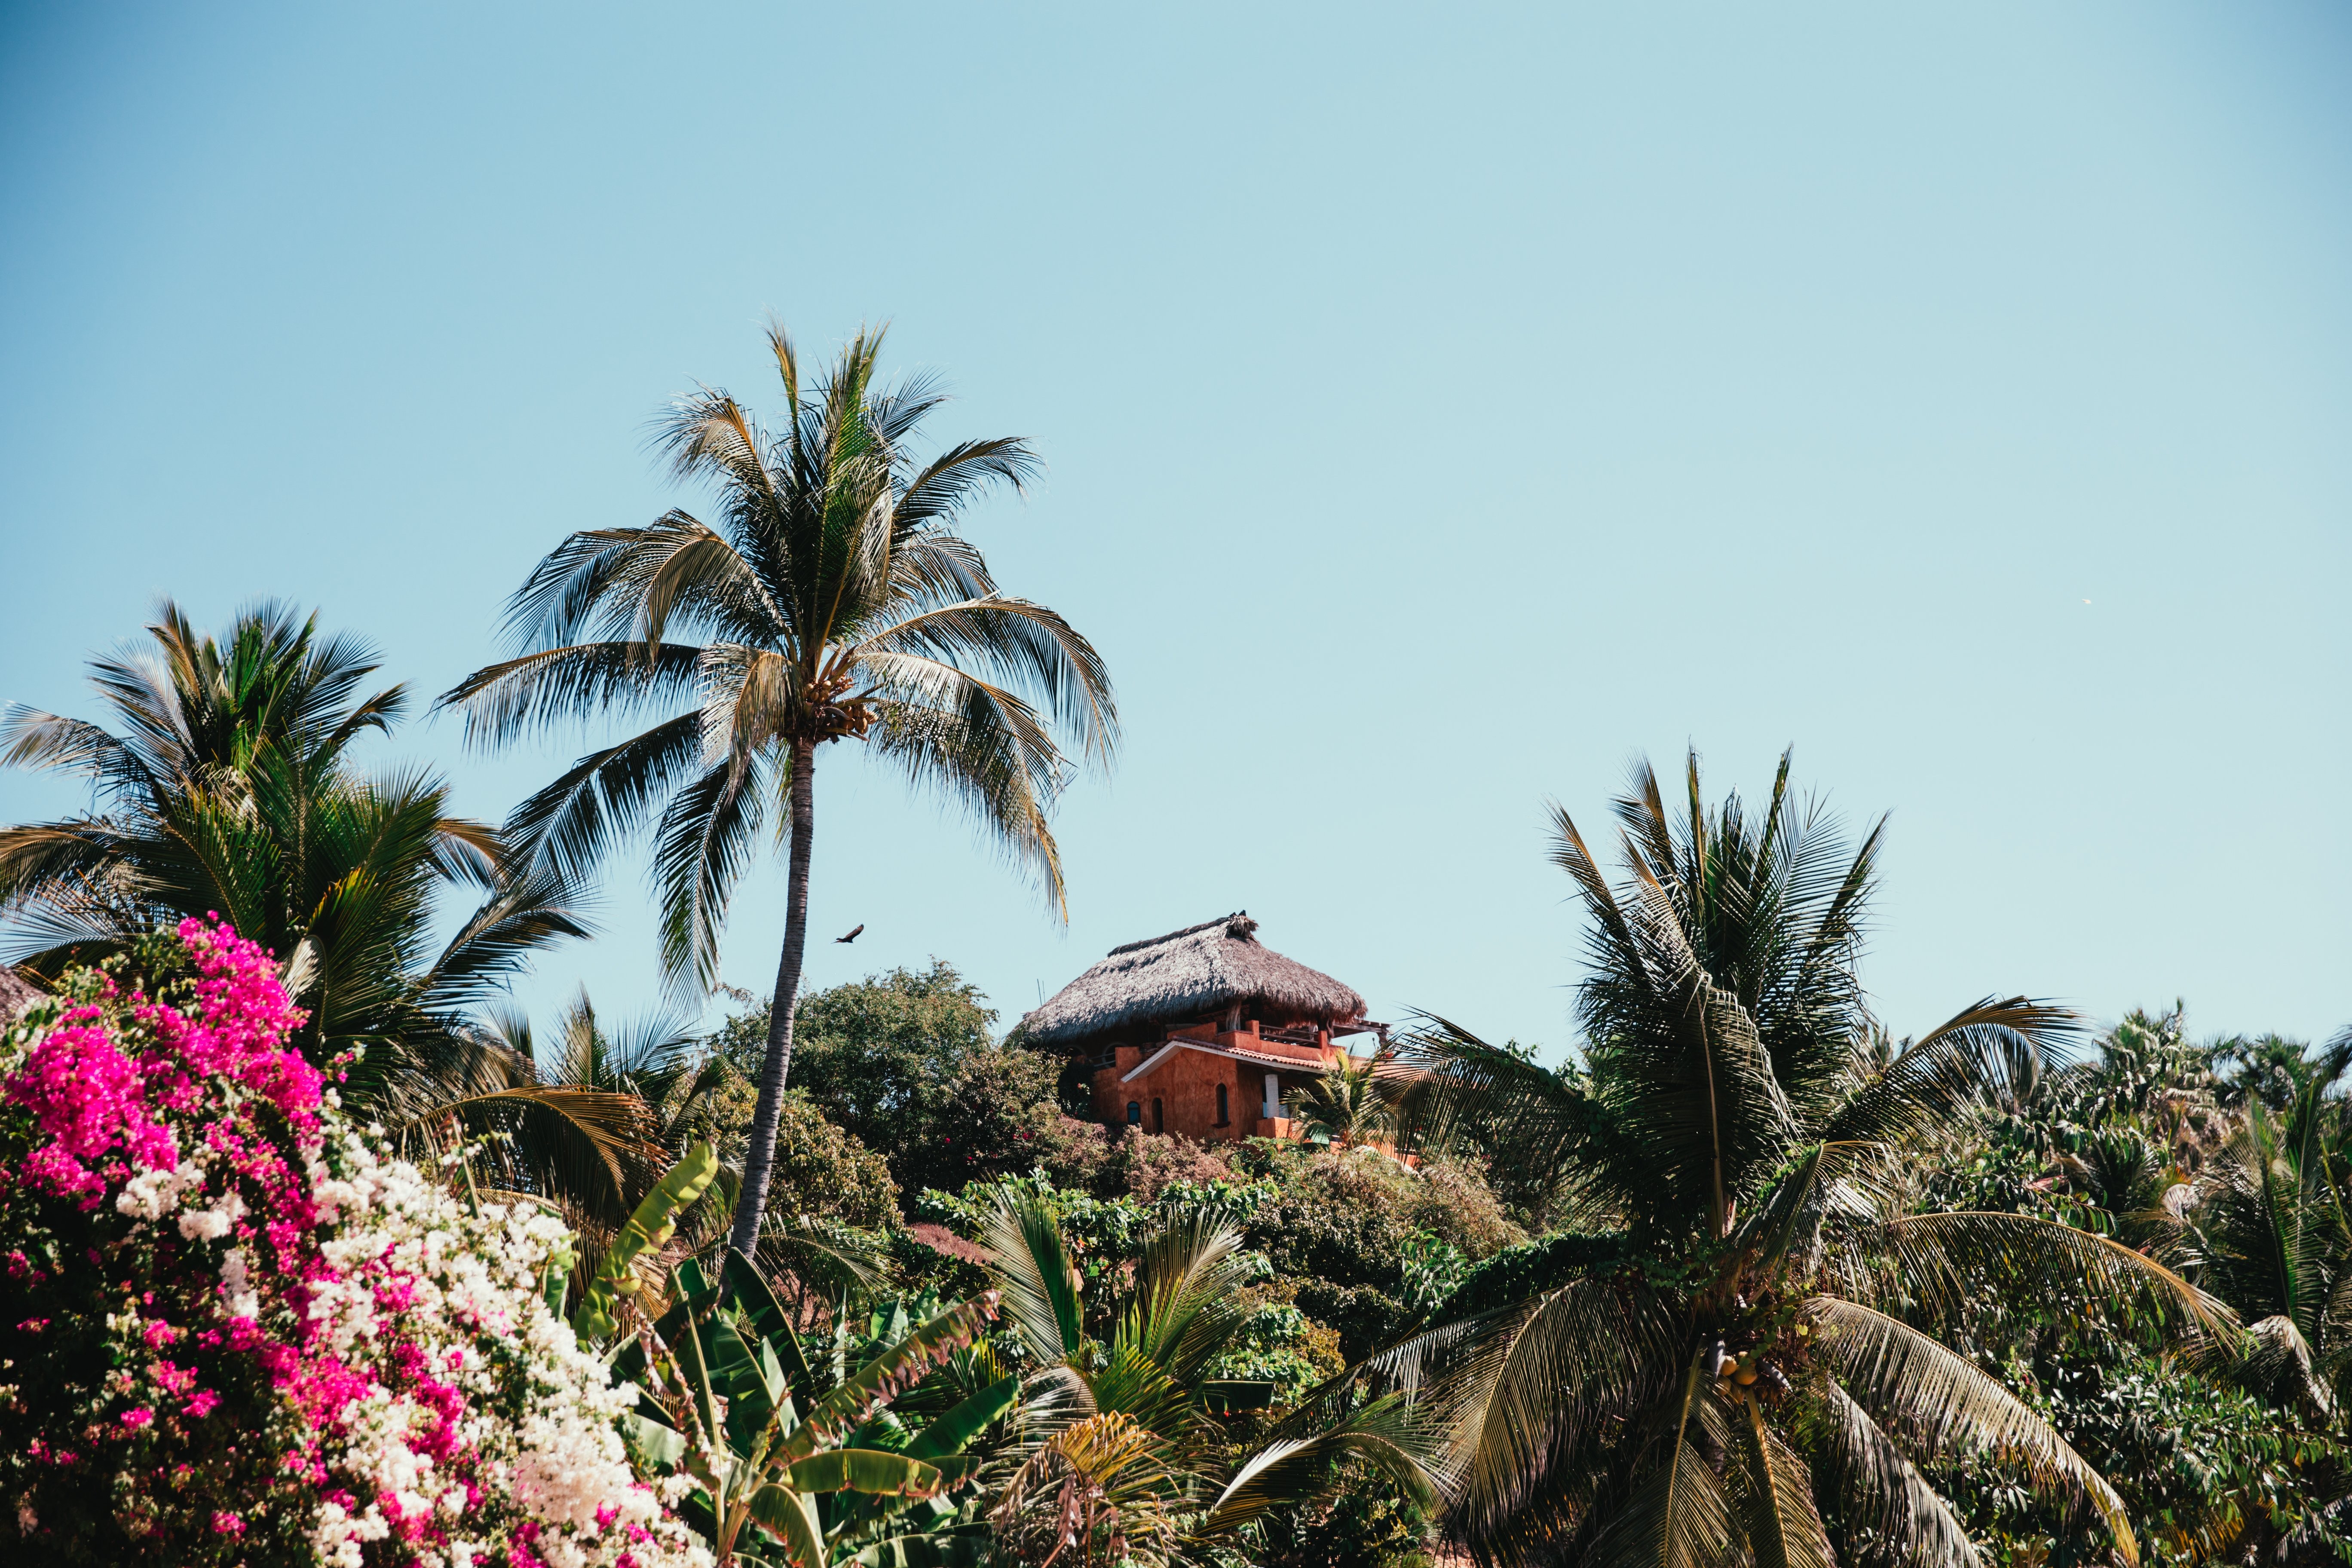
[
  {"x": 1878, "y": 1484},
  {"x": 704, "y": 839},
  {"x": 1773, "y": 1499},
  {"x": 1940, "y": 1404},
  {"x": 1031, "y": 1264},
  {"x": 1991, "y": 1051},
  {"x": 1385, "y": 1434},
  {"x": 1940, "y": 1258}
]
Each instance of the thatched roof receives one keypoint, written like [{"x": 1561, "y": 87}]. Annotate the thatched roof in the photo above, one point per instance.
[
  {"x": 1184, "y": 977},
  {"x": 17, "y": 993}
]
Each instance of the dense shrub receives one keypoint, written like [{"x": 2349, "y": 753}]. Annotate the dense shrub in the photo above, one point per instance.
[
  {"x": 1140, "y": 1164},
  {"x": 1344, "y": 1224},
  {"x": 236, "y": 1333}
]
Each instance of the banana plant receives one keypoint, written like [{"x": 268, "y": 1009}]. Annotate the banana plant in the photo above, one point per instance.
[
  {"x": 792, "y": 1463},
  {"x": 801, "y": 1463}
]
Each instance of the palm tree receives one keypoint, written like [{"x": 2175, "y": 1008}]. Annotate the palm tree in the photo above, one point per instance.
[
  {"x": 2267, "y": 1232},
  {"x": 833, "y": 601},
  {"x": 1733, "y": 1329},
  {"x": 1351, "y": 1102},
  {"x": 226, "y": 790},
  {"x": 1130, "y": 1461}
]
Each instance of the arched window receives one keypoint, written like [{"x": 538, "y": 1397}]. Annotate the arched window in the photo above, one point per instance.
[
  {"x": 1159, "y": 1117},
  {"x": 1223, "y": 1120},
  {"x": 1135, "y": 1113}
]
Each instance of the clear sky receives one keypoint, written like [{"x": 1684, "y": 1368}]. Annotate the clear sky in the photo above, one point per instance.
[{"x": 1442, "y": 404}]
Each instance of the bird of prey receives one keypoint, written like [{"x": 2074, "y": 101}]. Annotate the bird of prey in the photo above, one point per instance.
[{"x": 851, "y": 936}]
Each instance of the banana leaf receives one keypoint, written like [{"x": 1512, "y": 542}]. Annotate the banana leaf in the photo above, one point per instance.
[
  {"x": 656, "y": 1446},
  {"x": 965, "y": 1546},
  {"x": 968, "y": 1420},
  {"x": 742, "y": 1283},
  {"x": 790, "y": 1518},
  {"x": 650, "y": 1228},
  {"x": 880, "y": 1380},
  {"x": 869, "y": 1471}
]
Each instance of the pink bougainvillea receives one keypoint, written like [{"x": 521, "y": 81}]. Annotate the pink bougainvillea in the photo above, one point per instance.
[{"x": 239, "y": 1328}]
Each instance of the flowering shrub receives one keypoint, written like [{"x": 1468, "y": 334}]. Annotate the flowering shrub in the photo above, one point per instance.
[{"x": 236, "y": 1333}]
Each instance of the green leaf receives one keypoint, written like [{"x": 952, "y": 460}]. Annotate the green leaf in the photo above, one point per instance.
[
  {"x": 950, "y": 1432},
  {"x": 965, "y": 1546},
  {"x": 870, "y": 1471},
  {"x": 742, "y": 1283},
  {"x": 654, "y": 1445},
  {"x": 790, "y": 1518},
  {"x": 557, "y": 1278},
  {"x": 650, "y": 1228},
  {"x": 882, "y": 1379}
]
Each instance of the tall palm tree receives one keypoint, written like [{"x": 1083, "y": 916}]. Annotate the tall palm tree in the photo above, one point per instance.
[
  {"x": 832, "y": 601},
  {"x": 226, "y": 790},
  {"x": 1736, "y": 1326}
]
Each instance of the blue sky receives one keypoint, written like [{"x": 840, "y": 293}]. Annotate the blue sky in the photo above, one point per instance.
[{"x": 1442, "y": 405}]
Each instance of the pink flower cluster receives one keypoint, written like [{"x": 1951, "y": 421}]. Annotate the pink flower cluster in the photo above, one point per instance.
[
  {"x": 99, "y": 1105},
  {"x": 316, "y": 1346}
]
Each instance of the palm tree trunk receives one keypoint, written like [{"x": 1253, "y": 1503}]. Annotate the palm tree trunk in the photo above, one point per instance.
[{"x": 760, "y": 1157}]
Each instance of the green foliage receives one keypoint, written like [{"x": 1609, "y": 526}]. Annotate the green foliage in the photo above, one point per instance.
[
  {"x": 227, "y": 789},
  {"x": 1103, "y": 1235},
  {"x": 1344, "y": 1222},
  {"x": 1153, "y": 1451},
  {"x": 813, "y": 1460},
  {"x": 904, "y": 1062},
  {"x": 822, "y": 1170},
  {"x": 2197, "y": 1464},
  {"x": 648, "y": 1230}
]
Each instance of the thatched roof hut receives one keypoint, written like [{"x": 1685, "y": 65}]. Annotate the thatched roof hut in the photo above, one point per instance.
[{"x": 1195, "y": 976}]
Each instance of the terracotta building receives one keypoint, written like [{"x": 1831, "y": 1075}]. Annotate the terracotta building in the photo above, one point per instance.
[{"x": 1205, "y": 1031}]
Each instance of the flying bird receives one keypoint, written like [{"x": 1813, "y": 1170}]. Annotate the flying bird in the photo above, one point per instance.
[{"x": 851, "y": 936}]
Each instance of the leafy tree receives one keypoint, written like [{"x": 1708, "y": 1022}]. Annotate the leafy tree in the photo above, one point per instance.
[
  {"x": 832, "y": 602},
  {"x": 1356, "y": 1230},
  {"x": 905, "y": 1063},
  {"x": 227, "y": 788},
  {"x": 2268, "y": 1234},
  {"x": 822, "y": 1171},
  {"x": 1727, "y": 1342},
  {"x": 2278, "y": 1071},
  {"x": 1140, "y": 1164}
]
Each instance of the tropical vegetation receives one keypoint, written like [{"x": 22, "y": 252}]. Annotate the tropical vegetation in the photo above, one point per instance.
[{"x": 316, "y": 1248}]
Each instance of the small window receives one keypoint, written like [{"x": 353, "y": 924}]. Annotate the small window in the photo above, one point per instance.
[
  {"x": 1159, "y": 1117},
  {"x": 1223, "y": 1118},
  {"x": 1135, "y": 1113}
]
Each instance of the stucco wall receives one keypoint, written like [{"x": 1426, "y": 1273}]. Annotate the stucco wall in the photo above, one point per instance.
[{"x": 1184, "y": 1083}]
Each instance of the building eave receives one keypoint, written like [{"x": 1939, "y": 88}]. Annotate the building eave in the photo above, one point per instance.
[{"x": 1151, "y": 1064}]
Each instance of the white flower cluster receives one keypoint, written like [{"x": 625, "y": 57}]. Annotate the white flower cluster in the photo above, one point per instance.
[
  {"x": 473, "y": 1307},
  {"x": 150, "y": 1194}
]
